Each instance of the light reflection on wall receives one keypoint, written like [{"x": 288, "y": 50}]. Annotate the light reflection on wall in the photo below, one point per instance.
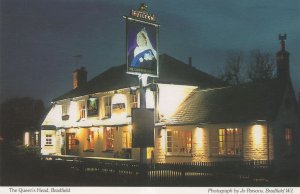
[
  {"x": 170, "y": 97},
  {"x": 26, "y": 139},
  {"x": 199, "y": 137},
  {"x": 257, "y": 131},
  {"x": 54, "y": 116},
  {"x": 73, "y": 110},
  {"x": 149, "y": 99},
  {"x": 163, "y": 134}
]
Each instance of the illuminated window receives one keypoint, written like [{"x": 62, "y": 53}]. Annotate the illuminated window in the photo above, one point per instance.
[
  {"x": 48, "y": 139},
  {"x": 288, "y": 136},
  {"x": 107, "y": 106},
  {"x": 82, "y": 109},
  {"x": 36, "y": 138},
  {"x": 133, "y": 100},
  {"x": 91, "y": 140},
  {"x": 126, "y": 139},
  {"x": 226, "y": 142},
  {"x": 109, "y": 138},
  {"x": 179, "y": 142},
  {"x": 71, "y": 142},
  {"x": 65, "y": 108}
]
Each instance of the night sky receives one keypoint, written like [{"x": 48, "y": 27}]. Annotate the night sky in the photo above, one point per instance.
[{"x": 40, "y": 37}]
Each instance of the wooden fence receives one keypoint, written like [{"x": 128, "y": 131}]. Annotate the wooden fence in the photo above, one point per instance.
[{"x": 97, "y": 171}]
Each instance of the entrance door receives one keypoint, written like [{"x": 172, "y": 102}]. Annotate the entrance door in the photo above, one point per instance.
[{"x": 71, "y": 144}]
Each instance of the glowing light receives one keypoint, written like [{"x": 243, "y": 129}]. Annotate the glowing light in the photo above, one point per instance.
[
  {"x": 257, "y": 135},
  {"x": 163, "y": 134},
  {"x": 170, "y": 97},
  {"x": 149, "y": 152},
  {"x": 73, "y": 111},
  {"x": 149, "y": 99},
  {"x": 26, "y": 139},
  {"x": 54, "y": 116},
  {"x": 94, "y": 129},
  {"x": 144, "y": 78},
  {"x": 199, "y": 137},
  {"x": 130, "y": 128},
  {"x": 73, "y": 130}
]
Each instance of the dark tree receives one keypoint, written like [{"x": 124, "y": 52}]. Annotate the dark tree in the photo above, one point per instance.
[
  {"x": 232, "y": 70},
  {"x": 261, "y": 66},
  {"x": 18, "y": 115}
]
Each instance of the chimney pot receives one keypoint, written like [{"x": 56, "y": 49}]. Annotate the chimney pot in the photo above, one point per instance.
[
  {"x": 190, "y": 61},
  {"x": 282, "y": 60}
]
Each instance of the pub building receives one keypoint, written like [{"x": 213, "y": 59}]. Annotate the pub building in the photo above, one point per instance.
[{"x": 196, "y": 117}]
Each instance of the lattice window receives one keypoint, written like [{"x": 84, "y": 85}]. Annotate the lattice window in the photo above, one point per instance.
[{"x": 48, "y": 139}]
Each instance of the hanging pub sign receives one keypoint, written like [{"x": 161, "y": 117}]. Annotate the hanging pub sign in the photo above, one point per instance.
[
  {"x": 93, "y": 107},
  {"x": 118, "y": 108},
  {"x": 142, "y": 127},
  {"x": 142, "y": 43},
  {"x": 119, "y": 105}
]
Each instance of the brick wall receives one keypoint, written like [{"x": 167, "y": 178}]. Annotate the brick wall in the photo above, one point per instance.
[
  {"x": 200, "y": 149},
  {"x": 160, "y": 145},
  {"x": 255, "y": 145}
]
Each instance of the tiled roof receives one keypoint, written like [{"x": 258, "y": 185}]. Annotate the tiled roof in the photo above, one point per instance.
[
  {"x": 246, "y": 102},
  {"x": 171, "y": 71}
]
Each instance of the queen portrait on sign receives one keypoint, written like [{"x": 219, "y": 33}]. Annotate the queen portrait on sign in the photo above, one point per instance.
[{"x": 144, "y": 55}]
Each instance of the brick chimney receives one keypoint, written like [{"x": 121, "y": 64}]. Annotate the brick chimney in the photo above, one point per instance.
[
  {"x": 282, "y": 60},
  {"x": 79, "y": 77}
]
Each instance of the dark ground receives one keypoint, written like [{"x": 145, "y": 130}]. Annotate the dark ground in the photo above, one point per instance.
[{"x": 23, "y": 167}]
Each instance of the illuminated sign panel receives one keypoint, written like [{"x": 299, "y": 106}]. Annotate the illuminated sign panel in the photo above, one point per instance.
[
  {"x": 119, "y": 105},
  {"x": 142, "y": 128},
  {"x": 118, "y": 108},
  {"x": 142, "y": 47},
  {"x": 143, "y": 15}
]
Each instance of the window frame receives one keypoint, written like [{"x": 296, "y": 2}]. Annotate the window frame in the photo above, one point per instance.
[
  {"x": 179, "y": 142},
  {"x": 65, "y": 109},
  {"x": 90, "y": 141},
  {"x": 220, "y": 147},
  {"x": 107, "y": 105},
  {"x": 133, "y": 101},
  {"x": 82, "y": 109},
  {"x": 48, "y": 140},
  {"x": 126, "y": 140},
  {"x": 109, "y": 137}
]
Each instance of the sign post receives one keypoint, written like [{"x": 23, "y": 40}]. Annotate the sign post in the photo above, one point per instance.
[{"x": 142, "y": 60}]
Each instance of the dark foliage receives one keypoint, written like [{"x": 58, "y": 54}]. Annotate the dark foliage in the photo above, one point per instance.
[
  {"x": 232, "y": 72},
  {"x": 261, "y": 66},
  {"x": 18, "y": 115},
  {"x": 258, "y": 67}
]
